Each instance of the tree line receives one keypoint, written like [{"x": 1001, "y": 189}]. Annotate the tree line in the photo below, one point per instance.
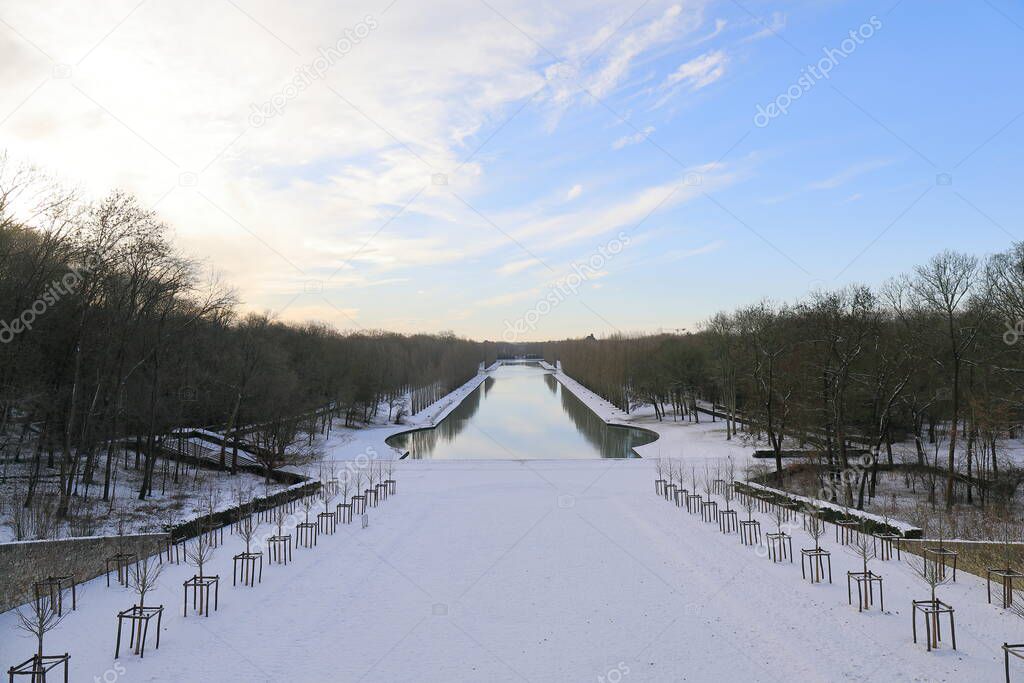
[
  {"x": 933, "y": 356},
  {"x": 110, "y": 338}
]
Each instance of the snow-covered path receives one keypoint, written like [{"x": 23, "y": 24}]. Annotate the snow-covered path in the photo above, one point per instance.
[{"x": 539, "y": 571}]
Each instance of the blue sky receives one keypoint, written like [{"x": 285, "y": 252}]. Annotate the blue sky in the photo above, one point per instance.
[{"x": 583, "y": 123}]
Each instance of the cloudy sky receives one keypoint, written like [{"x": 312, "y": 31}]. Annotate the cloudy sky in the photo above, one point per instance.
[{"x": 554, "y": 168}]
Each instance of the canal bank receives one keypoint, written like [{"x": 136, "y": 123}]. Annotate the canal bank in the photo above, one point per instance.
[{"x": 698, "y": 442}]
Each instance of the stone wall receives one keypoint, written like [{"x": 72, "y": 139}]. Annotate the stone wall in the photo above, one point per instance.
[
  {"x": 24, "y": 563},
  {"x": 975, "y": 557}
]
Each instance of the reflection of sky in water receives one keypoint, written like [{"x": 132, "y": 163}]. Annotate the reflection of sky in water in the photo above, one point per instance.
[{"x": 522, "y": 412}]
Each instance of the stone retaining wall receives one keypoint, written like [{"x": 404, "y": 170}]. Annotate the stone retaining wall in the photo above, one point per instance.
[{"x": 23, "y": 563}]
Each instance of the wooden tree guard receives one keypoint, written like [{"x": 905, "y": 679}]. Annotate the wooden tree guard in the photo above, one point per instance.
[
  {"x": 280, "y": 549},
  {"x": 392, "y": 486},
  {"x": 38, "y": 667},
  {"x": 865, "y": 589},
  {"x": 680, "y": 496},
  {"x": 814, "y": 557},
  {"x": 121, "y": 562},
  {"x": 887, "y": 543},
  {"x": 1015, "y": 650},
  {"x": 779, "y": 545},
  {"x": 381, "y": 491},
  {"x": 306, "y": 534},
  {"x": 344, "y": 513},
  {"x": 727, "y": 521},
  {"x": 750, "y": 532},
  {"x": 53, "y": 587},
  {"x": 201, "y": 586},
  {"x": 371, "y": 497},
  {"x": 941, "y": 557},
  {"x": 251, "y": 566},
  {"x": 709, "y": 511},
  {"x": 215, "y": 536},
  {"x": 693, "y": 503},
  {"x": 169, "y": 550},
  {"x": 1007, "y": 575},
  {"x": 659, "y": 487},
  {"x": 846, "y": 531},
  {"x": 175, "y": 550},
  {"x": 932, "y": 610},
  {"x": 358, "y": 504},
  {"x": 719, "y": 486},
  {"x": 670, "y": 491},
  {"x": 138, "y": 618},
  {"x": 328, "y": 522}
]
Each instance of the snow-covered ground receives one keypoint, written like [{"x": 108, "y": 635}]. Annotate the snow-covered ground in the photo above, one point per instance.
[{"x": 538, "y": 571}]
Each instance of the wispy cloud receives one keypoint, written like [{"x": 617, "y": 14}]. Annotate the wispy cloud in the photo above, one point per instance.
[
  {"x": 720, "y": 25},
  {"x": 616, "y": 57},
  {"x": 850, "y": 173},
  {"x": 514, "y": 267},
  {"x": 574, "y": 192},
  {"x": 768, "y": 29},
  {"x": 693, "y": 75},
  {"x": 634, "y": 139},
  {"x": 699, "y": 72}
]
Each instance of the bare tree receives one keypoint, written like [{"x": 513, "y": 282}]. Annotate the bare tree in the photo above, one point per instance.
[
  {"x": 144, "y": 575},
  {"x": 863, "y": 547},
  {"x": 200, "y": 550},
  {"x": 814, "y": 526},
  {"x": 947, "y": 290},
  {"x": 748, "y": 502},
  {"x": 781, "y": 516},
  {"x": 280, "y": 517},
  {"x": 307, "y": 504},
  {"x": 247, "y": 525},
  {"x": 345, "y": 484},
  {"x": 928, "y": 571},
  {"x": 39, "y": 617},
  {"x": 327, "y": 494},
  {"x": 729, "y": 491}
]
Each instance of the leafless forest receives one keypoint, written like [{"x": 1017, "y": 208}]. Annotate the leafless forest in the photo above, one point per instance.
[
  {"x": 932, "y": 361},
  {"x": 111, "y": 340}
]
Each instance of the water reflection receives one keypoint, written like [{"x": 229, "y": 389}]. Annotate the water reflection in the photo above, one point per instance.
[{"x": 510, "y": 416}]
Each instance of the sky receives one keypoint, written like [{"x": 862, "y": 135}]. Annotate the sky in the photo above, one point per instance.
[{"x": 521, "y": 171}]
